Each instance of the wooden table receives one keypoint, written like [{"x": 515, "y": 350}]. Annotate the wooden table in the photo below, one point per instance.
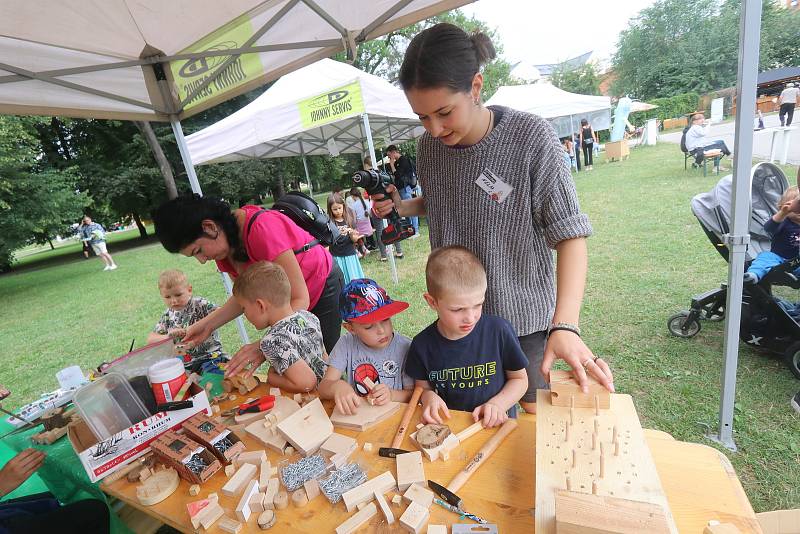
[{"x": 698, "y": 483}]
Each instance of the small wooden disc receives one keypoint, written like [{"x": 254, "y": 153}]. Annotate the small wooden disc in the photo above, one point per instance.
[
  {"x": 266, "y": 519},
  {"x": 281, "y": 500},
  {"x": 158, "y": 487},
  {"x": 432, "y": 435},
  {"x": 299, "y": 498}
]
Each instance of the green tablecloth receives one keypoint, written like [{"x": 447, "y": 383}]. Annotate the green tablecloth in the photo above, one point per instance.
[{"x": 61, "y": 474}]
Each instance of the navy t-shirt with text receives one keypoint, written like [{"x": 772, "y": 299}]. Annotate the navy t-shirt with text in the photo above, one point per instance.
[{"x": 469, "y": 371}]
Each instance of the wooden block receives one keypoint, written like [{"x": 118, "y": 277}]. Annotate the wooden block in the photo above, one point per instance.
[
  {"x": 270, "y": 494},
  {"x": 366, "y": 491},
  {"x": 263, "y": 475},
  {"x": 252, "y": 457},
  {"x": 596, "y": 514},
  {"x": 418, "y": 494},
  {"x": 247, "y": 418},
  {"x": 197, "y": 509},
  {"x": 437, "y": 529},
  {"x": 307, "y": 428},
  {"x": 779, "y": 521},
  {"x": 281, "y": 500},
  {"x": 230, "y": 470},
  {"x": 409, "y": 470},
  {"x": 257, "y": 503},
  {"x": 275, "y": 392},
  {"x": 297, "y": 397},
  {"x": 631, "y": 473},
  {"x": 420, "y": 425},
  {"x": 365, "y": 417},
  {"x": 210, "y": 515},
  {"x": 397, "y": 499},
  {"x": 565, "y": 391},
  {"x": 368, "y": 447},
  {"x": 158, "y": 487},
  {"x": 715, "y": 527},
  {"x": 361, "y": 506},
  {"x": 145, "y": 473},
  {"x": 231, "y": 526},
  {"x": 239, "y": 481},
  {"x": 243, "y": 508},
  {"x": 339, "y": 444},
  {"x": 384, "y": 507},
  {"x": 414, "y": 518},
  {"x": 194, "y": 490},
  {"x": 266, "y": 519},
  {"x": 288, "y": 451},
  {"x": 338, "y": 460},
  {"x": 439, "y": 452},
  {"x": 357, "y": 520},
  {"x": 312, "y": 489},
  {"x": 299, "y": 498}
]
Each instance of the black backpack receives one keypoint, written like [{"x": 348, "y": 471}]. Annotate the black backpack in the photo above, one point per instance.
[
  {"x": 305, "y": 213},
  {"x": 683, "y": 139}
]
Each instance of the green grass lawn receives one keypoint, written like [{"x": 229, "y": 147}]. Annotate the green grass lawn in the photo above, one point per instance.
[{"x": 647, "y": 258}]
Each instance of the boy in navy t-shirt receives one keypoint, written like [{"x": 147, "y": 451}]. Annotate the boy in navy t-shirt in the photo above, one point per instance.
[{"x": 465, "y": 360}]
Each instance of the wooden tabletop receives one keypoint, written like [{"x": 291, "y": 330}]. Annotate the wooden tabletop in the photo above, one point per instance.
[{"x": 697, "y": 482}]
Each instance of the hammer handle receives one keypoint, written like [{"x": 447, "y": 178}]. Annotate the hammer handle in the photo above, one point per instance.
[
  {"x": 488, "y": 448},
  {"x": 412, "y": 406}
]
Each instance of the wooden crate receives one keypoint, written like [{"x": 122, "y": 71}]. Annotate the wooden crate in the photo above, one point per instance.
[{"x": 617, "y": 150}]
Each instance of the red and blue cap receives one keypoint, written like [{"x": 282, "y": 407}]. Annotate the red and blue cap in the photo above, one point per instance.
[{"x": 363, "y": 301}]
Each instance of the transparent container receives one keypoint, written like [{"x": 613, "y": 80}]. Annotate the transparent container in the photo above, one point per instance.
[
  {"x": 137, "y": 363},
  {"x": 109, "y": 405}
]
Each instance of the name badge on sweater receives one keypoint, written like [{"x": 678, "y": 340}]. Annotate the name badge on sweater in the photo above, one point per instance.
[{"x": 494, "y": 186}]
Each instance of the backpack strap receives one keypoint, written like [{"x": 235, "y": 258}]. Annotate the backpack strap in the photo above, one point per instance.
[{"x": 304, "y": 248}]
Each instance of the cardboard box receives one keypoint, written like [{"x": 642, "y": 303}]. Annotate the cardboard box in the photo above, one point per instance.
[
  {"x": 108, "y": 456},
  {"x": 175, "y": 450},
  {"x": 617, "y": 150}
]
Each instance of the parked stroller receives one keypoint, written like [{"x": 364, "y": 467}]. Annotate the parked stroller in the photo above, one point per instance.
[{"x": 765, "y": 324}]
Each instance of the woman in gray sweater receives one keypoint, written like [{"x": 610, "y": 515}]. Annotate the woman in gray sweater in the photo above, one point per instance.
[{"x": 495, "y": 181}]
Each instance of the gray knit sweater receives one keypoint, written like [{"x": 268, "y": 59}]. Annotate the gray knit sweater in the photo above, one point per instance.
[{"x": 514, "y": 238}]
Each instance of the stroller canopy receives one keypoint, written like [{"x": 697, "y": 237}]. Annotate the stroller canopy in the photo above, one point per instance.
[{"x": 713, "y": 209}]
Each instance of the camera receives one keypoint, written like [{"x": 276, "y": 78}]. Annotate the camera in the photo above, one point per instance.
[{"x": 375, "y": 183}]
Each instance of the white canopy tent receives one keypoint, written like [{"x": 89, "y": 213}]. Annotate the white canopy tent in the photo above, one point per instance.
[
  {"x": 564, "y": 110},
  {"x": 272, "y": 126},
  {"x": 164, "y": 61}
]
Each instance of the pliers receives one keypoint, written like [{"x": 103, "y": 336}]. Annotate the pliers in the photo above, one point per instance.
[{"x": 261, "y": 404}]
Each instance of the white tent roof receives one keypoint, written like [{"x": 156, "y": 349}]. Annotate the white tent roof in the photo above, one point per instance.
[
  {"x": 148, "y": 59},
  {"x": 272, "y": 126},
  {"x": 564, "y": 110}
]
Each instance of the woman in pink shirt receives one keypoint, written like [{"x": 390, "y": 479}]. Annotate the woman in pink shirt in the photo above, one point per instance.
[{"x": 206, "y": 229}]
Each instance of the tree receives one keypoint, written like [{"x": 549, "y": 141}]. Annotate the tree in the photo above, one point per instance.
[
  {"x": 583, "y": 80},
  {"x": 683, "y": 46}
]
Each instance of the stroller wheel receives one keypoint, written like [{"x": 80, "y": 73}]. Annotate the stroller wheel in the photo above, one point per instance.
[
  {"x": 679, "y": 326},
  {"x": 792, "y": 359}
]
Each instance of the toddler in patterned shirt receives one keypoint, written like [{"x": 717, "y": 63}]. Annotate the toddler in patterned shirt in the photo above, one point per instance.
[
  {"x": 293, "y": 344},
  {"x": 183, "y": 309}
]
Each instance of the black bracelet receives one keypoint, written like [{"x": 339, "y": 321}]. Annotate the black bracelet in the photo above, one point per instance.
[{"x": 565, "y": 328}]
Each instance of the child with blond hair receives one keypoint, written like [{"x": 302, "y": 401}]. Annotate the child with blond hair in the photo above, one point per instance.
[
  {"x": 465, "y": 360},
  {"x": 183, "y": 309},
  {"x": 293, "y": 344},
  {"x": 784, "y": 227}
]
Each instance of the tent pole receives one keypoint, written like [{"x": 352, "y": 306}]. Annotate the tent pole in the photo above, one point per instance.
[
  {"x": 305, "y": 168},
  {"x": 737, "y": 240},
  {"x": 190, "y": 172},
  {"x": 389, "y": 248}
]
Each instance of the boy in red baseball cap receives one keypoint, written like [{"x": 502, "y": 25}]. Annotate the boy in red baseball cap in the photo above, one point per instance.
[{"x": 370, "y": 349}]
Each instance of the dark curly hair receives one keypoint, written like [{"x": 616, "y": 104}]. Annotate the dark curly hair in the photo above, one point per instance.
[{"x": 178, "y": 222}]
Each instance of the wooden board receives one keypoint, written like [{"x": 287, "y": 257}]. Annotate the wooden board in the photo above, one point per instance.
[
  {"x": 366, "y": 491},
  {"x": 410, "y": 470},
  {"x": 307, "y": 428},
  {"x": 579, "y": 513},
  {"x": 631, "y": 474},
  {"x": 339, "y": 444},
  {"x": 357, "y": 519},
  {"x": 565, "y": 391},
  {"x": 366, "y": 417},
  {"x": 414, "y": 518}
]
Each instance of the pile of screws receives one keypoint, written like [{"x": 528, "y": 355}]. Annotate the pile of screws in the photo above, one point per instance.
[
  {"x": 223, "y": 445},
  {"x": 196, "y": 464},
  {"x": 341, "y": 480},
  {"x": 296, "y": 474}
]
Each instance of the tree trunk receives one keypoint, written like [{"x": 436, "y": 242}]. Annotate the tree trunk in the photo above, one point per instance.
[
  {"x": 51, "y": 244},
  {"x": 163, "y": 164},
  {"x": 140, "y": 225},
  {"x": 277, "y": 189}
]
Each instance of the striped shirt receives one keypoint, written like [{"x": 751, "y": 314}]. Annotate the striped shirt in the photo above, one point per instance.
[{"x": 513, "y": 238}]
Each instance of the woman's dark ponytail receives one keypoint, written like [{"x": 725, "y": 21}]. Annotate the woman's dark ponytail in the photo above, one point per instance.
[{"x": 445, "y": 56}]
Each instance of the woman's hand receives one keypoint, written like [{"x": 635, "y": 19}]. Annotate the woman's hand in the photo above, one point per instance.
[
  {"x": 382, "y": 206},
  {"x": 195, "y": 334},
  {"x": 569, "y": 347},
  {"x": 245, "y": 361},
  {"x": 18, "y": 469}
]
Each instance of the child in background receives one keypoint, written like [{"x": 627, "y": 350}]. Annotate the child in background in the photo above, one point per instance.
[
  {"x": 370, "y": 349},
  {"x": 344, "y": 252},
  {"x": 465, "y": 360},
  {"x": 784, "y": 227},
  {"x": 293, "y": 345},
  {"x": 361, "y": 209},
  {"x": 183, "y": 309}
]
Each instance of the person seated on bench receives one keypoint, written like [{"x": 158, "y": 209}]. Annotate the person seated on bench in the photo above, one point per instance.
[{"x": 697, "y": 142}]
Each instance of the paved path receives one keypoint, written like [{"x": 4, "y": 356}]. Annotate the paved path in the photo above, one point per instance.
[{"x": 761, "y": 139}]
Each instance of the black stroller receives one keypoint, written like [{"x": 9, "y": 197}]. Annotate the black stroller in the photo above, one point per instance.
[{"x": 765, "y": 324}]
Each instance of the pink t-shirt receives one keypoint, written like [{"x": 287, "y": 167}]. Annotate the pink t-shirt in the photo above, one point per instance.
[{"x": 272, "y": 234}]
